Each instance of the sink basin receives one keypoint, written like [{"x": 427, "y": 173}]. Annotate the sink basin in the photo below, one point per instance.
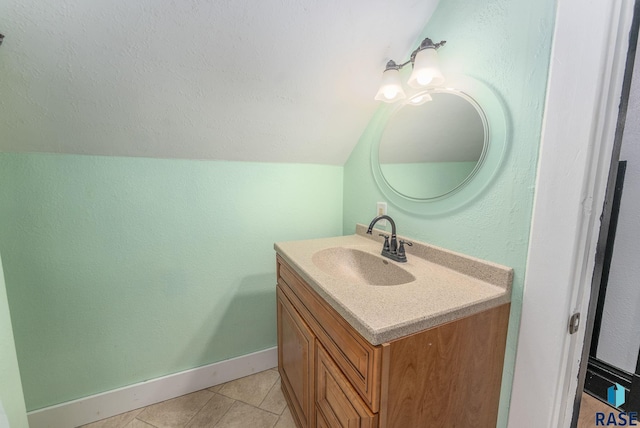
[{"x": 356, "y": 266}]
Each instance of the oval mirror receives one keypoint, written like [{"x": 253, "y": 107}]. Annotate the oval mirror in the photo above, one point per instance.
[{"x": 433, "y": 144}]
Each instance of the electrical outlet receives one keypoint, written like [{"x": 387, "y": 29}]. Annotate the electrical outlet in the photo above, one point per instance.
[{"x": 381, "y": 209}]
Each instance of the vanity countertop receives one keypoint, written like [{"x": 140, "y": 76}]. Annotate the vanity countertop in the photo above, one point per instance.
[{"x": 448, "y": 286}]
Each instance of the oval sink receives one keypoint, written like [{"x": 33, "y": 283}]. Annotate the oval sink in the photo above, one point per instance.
[{"x": 359, "y": 267}]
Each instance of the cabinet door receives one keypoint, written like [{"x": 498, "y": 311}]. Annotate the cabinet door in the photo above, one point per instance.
[
  {"x": 337, "y": 402},
  {"x": 296, "y": 362},
  {"x": 321, "y": 422},
  {"x": 359, "y": 361}
]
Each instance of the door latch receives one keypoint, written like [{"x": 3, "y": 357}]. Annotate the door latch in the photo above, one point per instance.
[{"x": 574, "y": 323}]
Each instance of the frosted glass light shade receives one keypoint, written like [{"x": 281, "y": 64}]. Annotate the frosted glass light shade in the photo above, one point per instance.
[
  {"x": 426, "y": 69},
  {"x": 419, "y": 99},
  {"x": 391, "y": 87}
]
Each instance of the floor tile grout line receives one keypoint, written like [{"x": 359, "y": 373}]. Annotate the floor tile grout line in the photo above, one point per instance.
[
  {"x": 251, "y": 404},
  {"x": 268, "y": 392},
  {"x": 213, "y": 394},
  {"x": 286, "y": 405},
  {"x": 225, "y": 413},
  {"x": 140, "y": 420},
  {"x": 237, "y": 399},
  {"x": 234, "y": 402}
]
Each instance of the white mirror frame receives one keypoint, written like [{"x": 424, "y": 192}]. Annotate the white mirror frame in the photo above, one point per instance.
[
  {"x": 491, "y": 111},
  {"x": 407, "y": 104}
]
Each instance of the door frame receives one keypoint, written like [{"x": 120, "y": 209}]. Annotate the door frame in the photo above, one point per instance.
[
  {"x": 601, "y": 372},
  {"x": 585, "y": 82}
]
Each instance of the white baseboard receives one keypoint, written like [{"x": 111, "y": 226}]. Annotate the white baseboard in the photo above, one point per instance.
[{"x": 95, "y": 407}]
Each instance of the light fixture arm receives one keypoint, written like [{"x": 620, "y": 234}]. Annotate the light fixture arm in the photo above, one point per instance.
[
  {"x": 424, "y": 62},
  {"x": 427, "y": 43}
]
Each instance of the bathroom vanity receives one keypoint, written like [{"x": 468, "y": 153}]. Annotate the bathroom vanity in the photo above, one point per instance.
[{"x": 359, "y": 348}]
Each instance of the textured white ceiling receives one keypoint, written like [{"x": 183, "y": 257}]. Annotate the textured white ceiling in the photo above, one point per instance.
[{"x": 271, "y": 80}]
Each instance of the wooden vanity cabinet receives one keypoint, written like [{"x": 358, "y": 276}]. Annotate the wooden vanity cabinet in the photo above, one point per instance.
[
  {"x": 337, "y": 403},
  {"x": 296, "y": 352},
  {"x": 445, "y": 376}
]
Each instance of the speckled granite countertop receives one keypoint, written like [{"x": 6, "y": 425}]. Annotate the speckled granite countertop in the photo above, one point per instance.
[{"x": 448, "y": 286}]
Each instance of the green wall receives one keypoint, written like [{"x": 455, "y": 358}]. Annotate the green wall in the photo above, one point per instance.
[
  {"x": 120, "y": 270},
  {"x": 506, "y": 45},
  {"x": 10, "y": 386}
]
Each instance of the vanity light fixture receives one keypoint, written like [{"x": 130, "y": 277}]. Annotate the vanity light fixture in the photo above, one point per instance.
[
  {"x": 419, "y": 99},
  {"x": 426, "y": 72}
]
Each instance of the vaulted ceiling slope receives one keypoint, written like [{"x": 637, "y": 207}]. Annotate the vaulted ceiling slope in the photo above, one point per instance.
[{"x": 250, "y": 80}]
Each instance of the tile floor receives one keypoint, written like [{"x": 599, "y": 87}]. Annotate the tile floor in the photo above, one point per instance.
[
  {"x": 588, "y": 408},
  {"x": 254, "y": 401}
]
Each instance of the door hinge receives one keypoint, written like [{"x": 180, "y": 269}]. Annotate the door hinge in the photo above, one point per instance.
[{"x": 574, "y": 323}]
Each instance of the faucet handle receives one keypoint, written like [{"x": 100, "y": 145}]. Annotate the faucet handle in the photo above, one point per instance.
[
  {"x": 385, "y": 247},
  {"x": 401, "y": 252}
]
